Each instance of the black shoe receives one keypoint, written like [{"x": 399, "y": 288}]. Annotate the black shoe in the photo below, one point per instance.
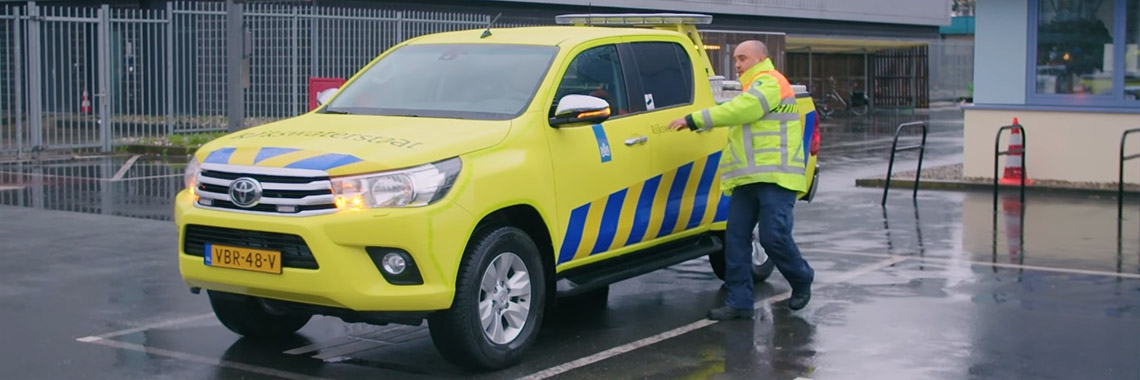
[
  {"x": 799, "y": 299},
  {"x": 728, "y": 312}
]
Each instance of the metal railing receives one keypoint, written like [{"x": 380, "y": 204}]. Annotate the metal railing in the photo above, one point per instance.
[
  {"x": 1120, "y": 197},
  {"x": 97, "y": 77},
  {"x": 894, "y": 149},
  {"x": 1120, "y": 179}
]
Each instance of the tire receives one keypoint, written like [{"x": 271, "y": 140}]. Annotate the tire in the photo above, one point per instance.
[
  {"x": 247, "y": 316},
  {"x": 458, "y": 333},
  {"x": 859, "y": 110},
  {"x": 762, "y": 265},
  {"x": 821, "y": 111}
]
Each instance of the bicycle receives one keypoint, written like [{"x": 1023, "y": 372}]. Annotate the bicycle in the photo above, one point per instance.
[{"x": 859, "y": 102}]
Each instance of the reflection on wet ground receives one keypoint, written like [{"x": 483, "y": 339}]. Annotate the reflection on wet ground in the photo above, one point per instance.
[
  {"x": 931, "y": 288},
  {"x": 131, "y": 186}
]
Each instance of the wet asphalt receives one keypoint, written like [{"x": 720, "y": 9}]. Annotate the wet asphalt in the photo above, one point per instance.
[{"x": 923, "y": 288}]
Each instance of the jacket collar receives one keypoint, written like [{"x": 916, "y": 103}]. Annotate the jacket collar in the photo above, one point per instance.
[{"x": 750, "y": 75}]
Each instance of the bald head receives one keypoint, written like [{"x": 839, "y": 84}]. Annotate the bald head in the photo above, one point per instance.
[
  {"x": 753, "y": 48},
  {"x": 748, "y": 54}
]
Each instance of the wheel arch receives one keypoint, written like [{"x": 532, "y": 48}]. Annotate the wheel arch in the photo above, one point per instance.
[{"x": 527, "y": 218}]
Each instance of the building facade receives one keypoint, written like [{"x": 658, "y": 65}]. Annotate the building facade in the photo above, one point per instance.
[
  {"x": 827, "y": 45},
  {"x": 1069, "y": 71}
]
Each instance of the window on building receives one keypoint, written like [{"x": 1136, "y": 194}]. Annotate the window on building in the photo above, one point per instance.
[
  {"x": 1084, "y": 52},
  {"x": 1132, "y": 52},
  {"x": 666, "y": 74}
]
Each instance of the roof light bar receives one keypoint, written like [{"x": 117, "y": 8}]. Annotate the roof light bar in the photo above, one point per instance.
[{"x": 633, "y": 19}]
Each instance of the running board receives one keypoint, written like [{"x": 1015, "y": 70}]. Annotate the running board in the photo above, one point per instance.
[{"x": 603, "y": 273}]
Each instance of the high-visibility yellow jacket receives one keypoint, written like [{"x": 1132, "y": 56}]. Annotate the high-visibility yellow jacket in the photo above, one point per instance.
[{"x": 765, "y": 139}]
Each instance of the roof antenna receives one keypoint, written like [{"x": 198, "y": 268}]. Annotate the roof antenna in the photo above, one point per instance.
[
  {"x": 590, "y": 14},
  {"x": 487, "y": 33}
]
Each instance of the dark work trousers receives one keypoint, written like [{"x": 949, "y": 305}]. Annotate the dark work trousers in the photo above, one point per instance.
[{"x": 771, "y": 206}]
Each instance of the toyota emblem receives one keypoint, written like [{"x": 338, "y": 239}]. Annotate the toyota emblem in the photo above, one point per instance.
[{"x": 245, "y": 192}]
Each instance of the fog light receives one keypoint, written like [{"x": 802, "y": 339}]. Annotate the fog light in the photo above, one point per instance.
[{"x": 394, "y": 263}]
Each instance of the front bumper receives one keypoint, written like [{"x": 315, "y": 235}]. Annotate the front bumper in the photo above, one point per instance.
[{"x": 345, "y": 276}]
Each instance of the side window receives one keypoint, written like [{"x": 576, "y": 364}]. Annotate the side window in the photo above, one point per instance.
[
  {"x": 596, "y": 72},
  {"x": 666, "y": 74}
]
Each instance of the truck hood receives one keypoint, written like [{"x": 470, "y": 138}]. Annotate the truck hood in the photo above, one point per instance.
[{"x": 353, "y": 144}]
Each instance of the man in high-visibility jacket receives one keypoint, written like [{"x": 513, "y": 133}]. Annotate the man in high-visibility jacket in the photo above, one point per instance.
[{"x": 762, "y": 170}]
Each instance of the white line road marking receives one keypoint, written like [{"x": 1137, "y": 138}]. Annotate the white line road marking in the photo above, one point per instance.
[
  {"x": 172, "y": 322},
  {"x": 321, "y": 345},
  {"x": 358, "y": 346},
  {"x": 204, "y": 360},
  {"x": 987, "y": 263},
  {"x": 559, "y": 369},
  {"x": 549, "y": 372},
  {"x": 126, "y": 166}
]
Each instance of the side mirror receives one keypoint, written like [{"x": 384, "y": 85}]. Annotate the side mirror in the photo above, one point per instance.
[
  {"x": 323, "y": 97},
  {"x": 580, "y": 109}
]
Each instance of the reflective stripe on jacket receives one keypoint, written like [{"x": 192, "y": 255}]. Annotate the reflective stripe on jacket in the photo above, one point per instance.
[{"x": 765, "y": 139}]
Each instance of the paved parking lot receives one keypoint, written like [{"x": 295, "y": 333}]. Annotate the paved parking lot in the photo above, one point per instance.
[{"x": 918, "y": 290}]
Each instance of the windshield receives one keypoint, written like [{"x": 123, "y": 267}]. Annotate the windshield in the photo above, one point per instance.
[{"x": 467, "y": 81}]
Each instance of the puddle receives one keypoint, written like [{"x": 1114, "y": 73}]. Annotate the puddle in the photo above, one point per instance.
[{"x": 104, "y": 185}]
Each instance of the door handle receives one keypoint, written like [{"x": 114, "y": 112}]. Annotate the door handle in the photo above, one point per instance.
[{"x": 636, "y": 140}]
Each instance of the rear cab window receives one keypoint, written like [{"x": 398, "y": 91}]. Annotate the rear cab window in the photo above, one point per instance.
[{"x": 664, "y": 74}]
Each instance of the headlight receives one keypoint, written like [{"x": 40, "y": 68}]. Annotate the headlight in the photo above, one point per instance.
[
  {"x": 190, "y": 178},
  {"x": 418, "y": 186}
]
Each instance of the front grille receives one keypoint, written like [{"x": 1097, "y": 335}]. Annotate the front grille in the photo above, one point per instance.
[
  {"x": 282, "y": 193},
  {"x": 294, "y": 252}
]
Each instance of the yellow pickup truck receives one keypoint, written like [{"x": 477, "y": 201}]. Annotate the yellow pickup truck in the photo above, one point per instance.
[{"x": 470, "y": 179}]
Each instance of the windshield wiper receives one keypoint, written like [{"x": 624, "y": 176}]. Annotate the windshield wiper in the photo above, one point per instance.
[{"x": 335, "y": 112}]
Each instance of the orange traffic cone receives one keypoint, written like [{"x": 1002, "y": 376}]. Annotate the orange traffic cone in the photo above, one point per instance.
[
  {"x": 1013, "y": 164},
  {"x": 85, "y": 103}
]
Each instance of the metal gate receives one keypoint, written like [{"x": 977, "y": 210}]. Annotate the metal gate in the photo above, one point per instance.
[
  {"x": 98, "y": 77},
  {"x": 900, "y": 78},
  {"x": 13, "y": 121},
  {"x": 63, "y": 89}
]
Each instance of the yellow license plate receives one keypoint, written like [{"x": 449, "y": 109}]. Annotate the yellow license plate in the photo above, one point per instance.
[{"x": 258, "y": 260}]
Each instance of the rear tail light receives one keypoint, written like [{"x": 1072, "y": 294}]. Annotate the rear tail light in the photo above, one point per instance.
[{"x": 814, "y": 148}]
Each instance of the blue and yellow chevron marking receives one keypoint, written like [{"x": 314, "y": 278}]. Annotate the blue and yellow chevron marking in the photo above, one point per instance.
[
  {"x": 809, "y": 128},
  {"x": 282, "y": 158},
  {"x": 665, "y": 204}
]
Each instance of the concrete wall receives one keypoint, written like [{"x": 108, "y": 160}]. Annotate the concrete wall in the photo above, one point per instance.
[
  {"x": 1067, "y": 146},
  {"x": 1000, "y": 51},
  {"x": 914, "y": 12}
]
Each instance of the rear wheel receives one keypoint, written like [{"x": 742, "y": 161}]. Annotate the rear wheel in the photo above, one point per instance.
[
  {"x": 248, "y": 316},
  {"x": 499, "y": 302},
  {"x": 762, "y": 265}
]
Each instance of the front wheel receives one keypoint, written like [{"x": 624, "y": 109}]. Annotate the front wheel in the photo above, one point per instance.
[
  {"x": 499, "y": 301},
  {"x": 762, "y": 265},
  {"x": 248, "y": 316}
]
